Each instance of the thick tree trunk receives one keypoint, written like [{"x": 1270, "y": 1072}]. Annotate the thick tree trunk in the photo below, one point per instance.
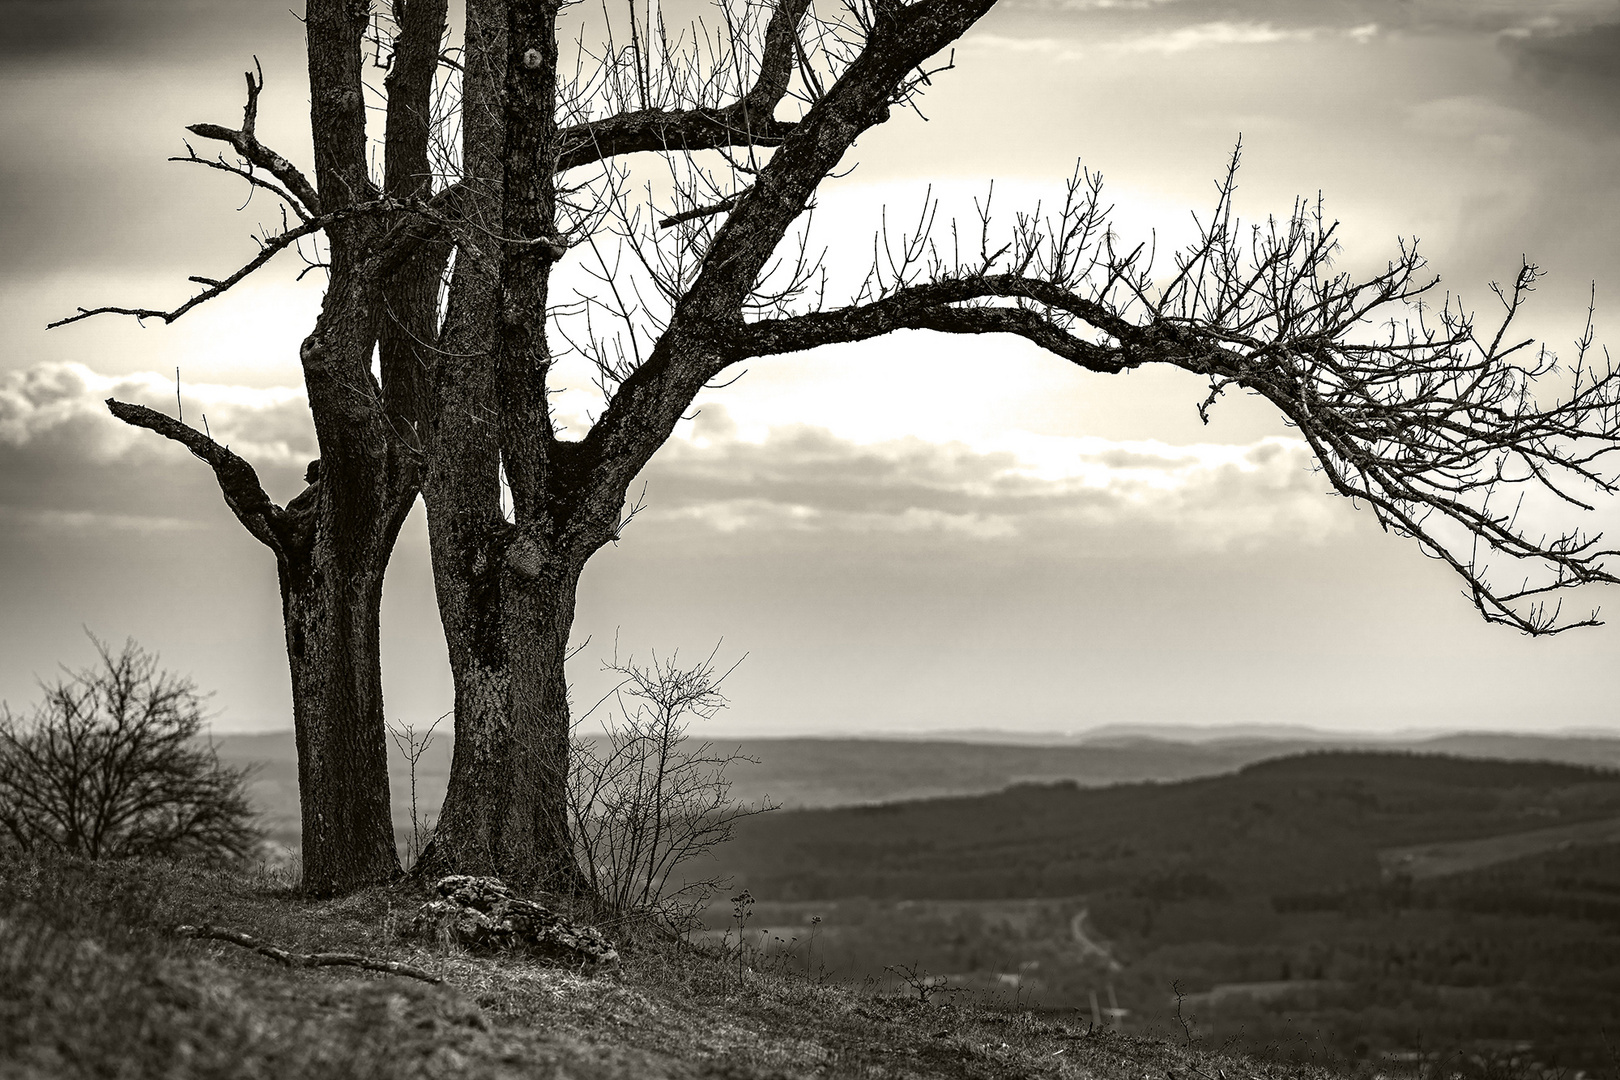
[
  {"x": 507, "y": 627},
  {"x": 332, "y": 598},
  {"x": 505, "y": 589},
  {"x": 331, "y": 608},
  {"x": 538, "y": 612}
]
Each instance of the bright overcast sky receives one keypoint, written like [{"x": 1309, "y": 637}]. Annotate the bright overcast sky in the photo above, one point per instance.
[{"x": 916, "y": 534}]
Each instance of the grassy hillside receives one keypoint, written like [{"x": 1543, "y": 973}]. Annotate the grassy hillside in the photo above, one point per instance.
[
  {"x": 93, "y": 983},
  {"x": 1357, "y": 907}
]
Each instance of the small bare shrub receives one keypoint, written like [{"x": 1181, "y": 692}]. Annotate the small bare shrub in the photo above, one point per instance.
[
  {"x": 646, "y": 800},
  {"x": 412, "y": 746},
  {"x": 111, "y": 765},
  {"x": 924, "y": 985}
]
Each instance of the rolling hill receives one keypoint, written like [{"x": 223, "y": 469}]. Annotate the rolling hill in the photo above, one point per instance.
[
  {"x": 1310, "y": 821},
  {"x": 828, "y": 772},
  {"x": 1272, "y": 909},
  {"x": 1358, "y": 907}
]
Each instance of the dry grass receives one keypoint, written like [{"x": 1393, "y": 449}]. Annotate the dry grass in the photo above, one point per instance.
[{"x": 94, "y": 983}]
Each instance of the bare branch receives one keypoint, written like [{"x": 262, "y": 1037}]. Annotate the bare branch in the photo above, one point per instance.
[
  {"x": 748, "y": 121},
  {"x": 909, "y": 312},
  {"x": 286, "y": 958},
  {"x": 246, "y": 173},
  {"x": 246, "y": 143},
  {"x": 701, "y": 212},
  {"x": 1427, "y": 425},
  {"x": 268, "y": 249},
  {"x": 661, "y": 130},
  {"x": 283, "y": 530}
]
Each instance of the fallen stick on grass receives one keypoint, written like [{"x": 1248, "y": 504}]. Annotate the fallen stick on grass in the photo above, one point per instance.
[{"x": 292, "y": 959}]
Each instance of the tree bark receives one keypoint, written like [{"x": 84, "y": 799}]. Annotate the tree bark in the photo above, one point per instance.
[
  {"x": 506, "y": 588},
  {"x": 507, "y": 618},
  {"x": 331, "y": 607},
  {"x": 332, "y": 545},
  {"x": 331, "y": 588}
]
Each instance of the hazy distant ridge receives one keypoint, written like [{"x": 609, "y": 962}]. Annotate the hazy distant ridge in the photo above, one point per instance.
[{"x": 825, "y": 772}]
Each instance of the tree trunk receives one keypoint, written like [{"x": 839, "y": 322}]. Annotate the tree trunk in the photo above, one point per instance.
[
  {"x": 507, "y": 624},
  {"x": 331, "y": 586},
  {"x": 331, "y": 603},
  {"x": 505, "y": 589}
]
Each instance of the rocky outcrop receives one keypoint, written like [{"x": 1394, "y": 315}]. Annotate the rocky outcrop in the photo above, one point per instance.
[{"x": 484, "y": 916}]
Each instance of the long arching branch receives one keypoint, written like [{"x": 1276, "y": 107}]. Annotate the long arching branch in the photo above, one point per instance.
[{"x": 1432, "y": 427}]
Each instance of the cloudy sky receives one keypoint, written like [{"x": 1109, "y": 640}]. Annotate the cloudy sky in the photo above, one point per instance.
[{"x": 915, "y": 534}]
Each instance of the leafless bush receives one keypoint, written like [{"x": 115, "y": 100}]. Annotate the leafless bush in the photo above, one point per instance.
[
  {"x": 412, "y": 746},
  {"x": 921, "y": 983},
  {"x": 646, "y": 800},
  {"x": 110, "y": 765}
]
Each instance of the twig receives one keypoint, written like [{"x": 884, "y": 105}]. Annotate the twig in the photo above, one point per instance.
[
  {"x": 412, "y": 747},
  {"x": 720, "y": 207},
  {"x": 292, "y": 959},
  {"x": 1185, "y": 1022},
  {"x": 268, "y": 248}
]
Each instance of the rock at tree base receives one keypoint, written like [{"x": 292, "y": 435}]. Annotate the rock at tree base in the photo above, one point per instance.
[{"x": 482, "y": 914}]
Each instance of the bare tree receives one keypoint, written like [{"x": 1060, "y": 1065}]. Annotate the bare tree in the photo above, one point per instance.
[
  {"x": 646, "y": 800},
  {"x": 332, "y": 542},
  {"x": 413, "y": 746},
  {"x": 110, "y": 765},
  {"x": 674, "y": 168}
]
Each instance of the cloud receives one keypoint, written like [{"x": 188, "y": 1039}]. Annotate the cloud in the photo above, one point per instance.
[
  {"x": 1114, "y": 5},
  {"x": 1593, "y": 52},
  {"x": 83, "y": 521},
  {"x": 1152, "y": 36},
  {"x": 66, "y": 401},
  {"x": 1213, "y": 35},
  {"x": 1576, "y": 71},
  {"x": 802, "y": 479},
  {"x": 64, "y": 457},
  {"x": 1156, "y": 19},
  {"x": 67, "y": 466}
]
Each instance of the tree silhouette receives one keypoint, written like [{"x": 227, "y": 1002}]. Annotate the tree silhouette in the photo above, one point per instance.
[
  {"x": 674, "y": 170},
  {"x": 109, "y": 766}
]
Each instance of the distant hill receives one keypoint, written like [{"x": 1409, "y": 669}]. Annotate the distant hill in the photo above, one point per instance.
[
  {"x": 1574, "y": 749},
  {"x": 817, "y": 772},
  {"x": 1307, "y": 822}
]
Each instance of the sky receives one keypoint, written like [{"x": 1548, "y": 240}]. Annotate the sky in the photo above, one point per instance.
[{"x": 915, "y": 534}]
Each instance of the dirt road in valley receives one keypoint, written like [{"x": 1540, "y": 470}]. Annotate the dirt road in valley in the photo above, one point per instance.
[{"x": 1089, "y": 946}]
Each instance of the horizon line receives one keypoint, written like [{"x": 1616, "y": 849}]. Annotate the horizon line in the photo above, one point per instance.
[{"x": 1158, "y": 732}]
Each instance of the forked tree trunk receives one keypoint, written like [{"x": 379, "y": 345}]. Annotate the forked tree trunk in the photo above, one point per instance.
[
  {"x": 505, "y": 589},
  {"x": 331, "y": 589}
]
